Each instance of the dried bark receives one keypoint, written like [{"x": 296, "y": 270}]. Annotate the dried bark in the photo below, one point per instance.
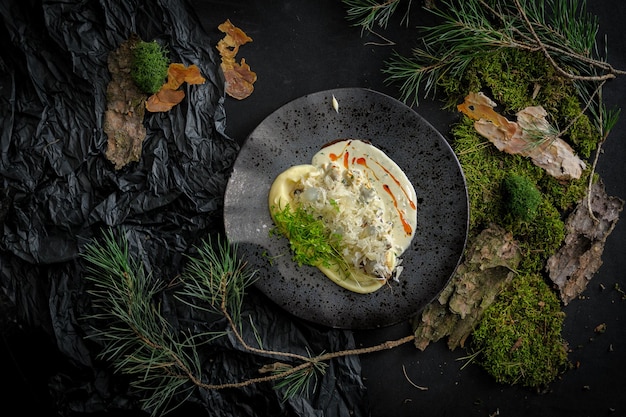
[
  {"x": 574, "y": 264},
  {"x": 531, "y": 136},
  {"x": 487, "y": 269},
  {"x": 123, "y": 119}
]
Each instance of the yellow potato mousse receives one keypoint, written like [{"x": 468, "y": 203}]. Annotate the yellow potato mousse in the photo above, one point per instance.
[{"x": 366, "y": 203}]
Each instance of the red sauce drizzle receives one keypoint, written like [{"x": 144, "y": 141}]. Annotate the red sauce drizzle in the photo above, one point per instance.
[
  {"x": 363, "y": 161},
  {"x": 411, "y": 202},
  {"x": 333, "y": 157},
  {"x": 407, "y": 227}
]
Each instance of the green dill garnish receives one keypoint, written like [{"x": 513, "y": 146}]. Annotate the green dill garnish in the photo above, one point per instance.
[{"x": 311, "y": 242}]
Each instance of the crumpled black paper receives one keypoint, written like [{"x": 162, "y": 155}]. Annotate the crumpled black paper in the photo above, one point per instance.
[{"x": 59, "y": 192}]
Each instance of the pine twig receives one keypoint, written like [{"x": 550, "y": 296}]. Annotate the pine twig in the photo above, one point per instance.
[
  {"x": 549, "y": 57},
  {"x": 139, "y": 342}
]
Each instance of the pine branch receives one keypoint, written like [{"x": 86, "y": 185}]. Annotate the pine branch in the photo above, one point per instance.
[
  {"x": 139, "y": 342},
  {"x": 562, "y": 30},
  {"x": 369, "y": 13}
]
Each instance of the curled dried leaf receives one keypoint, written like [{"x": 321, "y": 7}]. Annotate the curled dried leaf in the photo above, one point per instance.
[
  {"x": 177, "y": 74},
  {"x": 164, "y": 100},
  {"x": 169, "y": 95},
  {"x": 239, "y": 77}
]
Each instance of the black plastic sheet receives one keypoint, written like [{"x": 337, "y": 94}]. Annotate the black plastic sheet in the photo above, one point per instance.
[{"x": 59, "y": 192}]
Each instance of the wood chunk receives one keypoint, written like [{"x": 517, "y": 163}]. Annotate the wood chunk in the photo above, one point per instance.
[
  {"x": 574, "y": 264},
  {"x": 123, "y": 119},
  {"x": 487, "y": 269}
]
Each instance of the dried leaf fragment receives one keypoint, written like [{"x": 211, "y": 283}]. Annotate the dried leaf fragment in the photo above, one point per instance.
[
  {"x": 235, "y": 37},
  {"x": 239, "y": 77},
  {"x": 531, "y": 136},
  {"x": 164, "y": 100},
  {"x": 169, "y": 95},
  {"x": 177, "y": 74}
]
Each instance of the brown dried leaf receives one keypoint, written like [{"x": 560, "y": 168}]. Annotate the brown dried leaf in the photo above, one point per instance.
[
  {"x": 169, "y": 95},
  {"x": 239, "y": 78},
  {"x": 164, "y": 100},
  {"x": 177, "y": 74}
]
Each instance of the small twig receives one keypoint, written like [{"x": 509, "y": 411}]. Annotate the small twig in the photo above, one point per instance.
[
  {"x": 583, "y": 110},
  {"x": 238, "y": 336},
  {"x": 307, "y": 361},
  {"x": 603, "y": 135},
  {"x": 556, "y": 66}
]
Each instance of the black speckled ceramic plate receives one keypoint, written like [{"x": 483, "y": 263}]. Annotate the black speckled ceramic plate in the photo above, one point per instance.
[{"x": 292, "y": 135}]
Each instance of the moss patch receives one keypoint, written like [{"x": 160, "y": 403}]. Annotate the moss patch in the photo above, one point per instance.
[
  {"x": 521, "y": 197},
  {"x": 519, "y": 339},
  {"x": 149, "y": 66},
  {"x": 516, "y": 79}
]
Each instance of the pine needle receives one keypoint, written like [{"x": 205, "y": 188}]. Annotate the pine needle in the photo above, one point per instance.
[{"x": 561, "y": 29}]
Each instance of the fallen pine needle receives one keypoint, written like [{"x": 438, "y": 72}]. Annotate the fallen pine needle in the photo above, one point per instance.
[{"x": 411, "y": 382}]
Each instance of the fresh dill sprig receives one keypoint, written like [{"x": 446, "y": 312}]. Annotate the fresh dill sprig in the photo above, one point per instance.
[{"x": 311, "y": 242}]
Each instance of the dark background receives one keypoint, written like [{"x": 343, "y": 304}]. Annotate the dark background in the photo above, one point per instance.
[{"x": 300, "y": 47}]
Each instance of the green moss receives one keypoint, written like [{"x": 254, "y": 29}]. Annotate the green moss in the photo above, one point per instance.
[
  {"x": 519, "y": 339},
  {"x": 513, "y": 78},
  {"x": 564, "y": 196},
  {"x": 149, "y": 66},
  {"x": 485, "y": 167},
  {"x": 538, "y": 239},
  {"x": 581, "y": 135},
  {"x": 517, "y": 79},
  {"x": 521, "y": 197}
]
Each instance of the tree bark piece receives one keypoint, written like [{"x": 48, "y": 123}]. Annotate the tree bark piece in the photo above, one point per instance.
[
  {"x": 574, "y": 264},
  {"x": 123, "y": 119},
  {"x": 488, "y": 267},
  {"x": 531, "y": 136}
]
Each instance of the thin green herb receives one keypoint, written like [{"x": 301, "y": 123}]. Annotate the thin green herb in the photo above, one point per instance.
[{"x": 310, "y": 240}]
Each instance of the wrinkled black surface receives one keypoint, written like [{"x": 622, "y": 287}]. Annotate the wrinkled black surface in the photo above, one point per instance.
[
  {"x": 303, "y": 46},
  {"x": 58, "y": 192}
]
